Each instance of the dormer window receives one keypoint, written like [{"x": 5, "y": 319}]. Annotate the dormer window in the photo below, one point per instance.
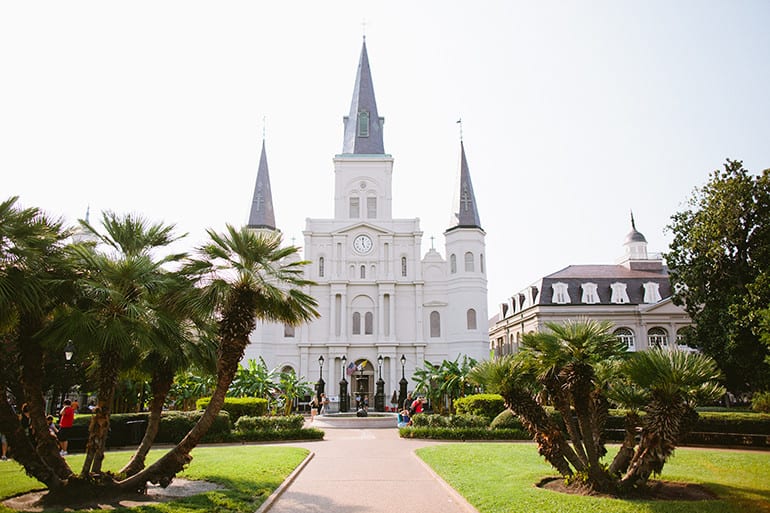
[
  {"x": 651, "y": 292},
  {"x": 363, "y": 124},
  {"x": 590, "y": 294},
  {"x": 560, "y": 294},
  {"x": 619, "y": 295}
]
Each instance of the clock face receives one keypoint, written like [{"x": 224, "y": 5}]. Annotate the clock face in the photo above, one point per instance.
[{"x": 362, "y": 244}]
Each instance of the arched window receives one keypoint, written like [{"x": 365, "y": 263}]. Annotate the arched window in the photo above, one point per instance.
[
  {"x": 452, "y": 263},
  {"x": 368, "y": 323},
  {"x": 470, "y": 319},
  {"x": 371, "y": 207},
  {"x": 626, "y": 336},
  {"x": 288, "y": 331},
  {"x": 321, "y": 267},
  {"x": 355, "y": 207},
  {"x": 356, "y": 323},
  {"x": 657, "y": 337},
  {"x": 468, "y": 262},
  {"x": 403, "y": 266},
  {"x": 363, "y": 124},
  {"x": 435, "y": 324},
  {"x": 363, "y": 272}
]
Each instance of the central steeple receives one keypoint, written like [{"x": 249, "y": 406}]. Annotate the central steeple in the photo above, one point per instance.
[{"x": 363, "y": 126}]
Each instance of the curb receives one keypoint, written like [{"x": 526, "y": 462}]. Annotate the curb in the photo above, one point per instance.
[
  {"x": 459, "y": 499},
  {"x": 286, "y": 483}
]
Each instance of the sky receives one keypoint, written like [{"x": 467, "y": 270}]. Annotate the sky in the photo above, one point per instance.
[{"x": 574, "y": 113}]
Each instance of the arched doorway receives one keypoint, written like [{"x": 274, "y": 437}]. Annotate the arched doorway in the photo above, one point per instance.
[{"x": 363, "y": 384}]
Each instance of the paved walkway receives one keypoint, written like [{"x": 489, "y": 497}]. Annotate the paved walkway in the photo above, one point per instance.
[{"x": 366, "y": 471}]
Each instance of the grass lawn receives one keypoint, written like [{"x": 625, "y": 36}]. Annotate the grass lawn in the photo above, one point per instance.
[
  {"x": 250, "y": 474},
  {"x": 500, "y": 477}
]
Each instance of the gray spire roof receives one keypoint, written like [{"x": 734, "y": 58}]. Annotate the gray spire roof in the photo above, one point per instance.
[
  {"x": 465, "y": 214},
  {"x": 363, "y": 126},
  {"x": 634, "y": 235},
  {"x": 262, "y": 214}
]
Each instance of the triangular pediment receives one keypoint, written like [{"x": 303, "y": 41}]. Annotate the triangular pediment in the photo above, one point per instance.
[
  {"x": 664, "y": 306},
  {"x": 357, "y": 227}
]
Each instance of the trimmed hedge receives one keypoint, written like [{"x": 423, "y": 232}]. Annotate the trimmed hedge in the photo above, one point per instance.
[
  {"x": 483, "y": 405},
  {"x": 292, "y": 422},
  {"x": 238, "y": 407},
  {"x": 506, "y": 420},
  {"x": 273, "y": 435},
  {"x": 445, "y": 433},
  {"x": 449, "y": 421},
  {"x": 761, "y": 402}
]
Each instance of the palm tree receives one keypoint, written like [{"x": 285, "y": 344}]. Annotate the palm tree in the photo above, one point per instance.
[
  {"x": 511, "y": 377},
  {"x": 120, "y": 307},
  {"x": 671, "y": 383},
  {"x": 291, "y": 387},
  {"x": 247, "y": 276},
  {"x": 565, "y": 358},
  {"x": 184, "y": 341},
  {"x": 34, "y": 275}
]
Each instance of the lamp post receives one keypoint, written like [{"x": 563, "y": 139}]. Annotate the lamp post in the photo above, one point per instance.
[
  {"x": 344, "y": 398},
  {"x": 69, "y": 352},
  {"x": 320, "y": 385},
  {"x": 379, "y": 397},
  {"x": 402, "y": 384}
]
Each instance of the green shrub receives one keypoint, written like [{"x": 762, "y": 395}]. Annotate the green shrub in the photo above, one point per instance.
[
  {"x": 270, "y": 423},
  {"x": 279, "y": 435},
  {"x": 238, "y": 407},
  {"x": 761, "y": 402},
  {"x": 482, "y": 405},
  {"x": 506, "y": 420},
  {"x": 449, "y": 421},
  {"x": 477, "y": 433},
  {"x": 174, "y": 425}
]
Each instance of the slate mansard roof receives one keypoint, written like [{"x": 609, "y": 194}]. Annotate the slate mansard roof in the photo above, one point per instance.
[{"x": 603, "y": 276}]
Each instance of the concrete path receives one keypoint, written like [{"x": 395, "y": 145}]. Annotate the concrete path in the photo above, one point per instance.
[{"x": 366, "y": 471}]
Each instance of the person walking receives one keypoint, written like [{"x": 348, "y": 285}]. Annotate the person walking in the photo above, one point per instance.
[
  {"x": 66, "y": 419},
  {"x": 4, "y": 444}
]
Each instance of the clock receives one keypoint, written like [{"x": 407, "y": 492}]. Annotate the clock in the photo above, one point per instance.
[{"x": 362, "y": 244}]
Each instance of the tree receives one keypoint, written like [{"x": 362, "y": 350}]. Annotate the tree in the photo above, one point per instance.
[
  {"x": 246, "y": 276},
  {"x": 291, "y": 387},
  {"x": 34, "y": 279},
  {"x": 124, "y": 307},
  {"x": 444, "y": 383},
  {"x": 254, "y": 380},
  {"x": 720, "y": 271},
  {"x": 576, "y": 367}
]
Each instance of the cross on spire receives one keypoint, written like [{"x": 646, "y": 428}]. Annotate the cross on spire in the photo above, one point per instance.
[
  {"x": 460, "y": 122},
  {"x": 431, "y": 242}
]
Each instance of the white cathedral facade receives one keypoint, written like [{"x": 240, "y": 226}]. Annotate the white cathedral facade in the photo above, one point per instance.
[{"x": 380, "y": 299}]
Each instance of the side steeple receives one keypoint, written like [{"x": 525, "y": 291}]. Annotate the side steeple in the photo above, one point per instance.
[
  {"x": 363, "y": 126},
  {"x": 465, "y": 214},
  {"x": 262, "y": 215}
]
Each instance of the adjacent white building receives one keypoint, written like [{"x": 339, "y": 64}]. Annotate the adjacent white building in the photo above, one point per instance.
[
  {"x": 634, "y": 294},
  {"x": 378, "y": 296}
]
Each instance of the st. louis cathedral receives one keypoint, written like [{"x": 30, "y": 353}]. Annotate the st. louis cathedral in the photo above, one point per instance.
[{"x": 385, "y": 308}]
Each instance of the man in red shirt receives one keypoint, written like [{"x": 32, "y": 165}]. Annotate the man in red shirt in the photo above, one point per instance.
[
  {"x": 66, "y": 418},
  {"x": 417, "y": 406}
]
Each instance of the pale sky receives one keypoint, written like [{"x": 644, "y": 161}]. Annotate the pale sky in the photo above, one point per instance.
[{"x": 574, "y": 113}]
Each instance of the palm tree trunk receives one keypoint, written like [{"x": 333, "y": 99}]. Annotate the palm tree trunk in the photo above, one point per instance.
[
  {"x": 31, "y": 360},
  {"x": 23, "y": 451},
  {"x": 99, "y": 427},
  {"x": 234, "y": 327},
  {"x": 562, "y": 406},
  {"x": 162, "y": 379},
  {"x": 625, "y": 454}
]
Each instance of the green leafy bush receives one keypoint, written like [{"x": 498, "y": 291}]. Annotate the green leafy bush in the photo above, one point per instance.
[
  {"x": 449, "y": 421},
  {"x": 174, "y": 425},
  {"x": 238, "y": 407},
  {"x": 482, "y": 405},
  {"x": 269, "y": 423},
  {"x": 506, "y": 420},
  {"x": 469, "y": 433},
  {"x": 279, "y": 435},
  {"x": 761, "y": 402}
]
